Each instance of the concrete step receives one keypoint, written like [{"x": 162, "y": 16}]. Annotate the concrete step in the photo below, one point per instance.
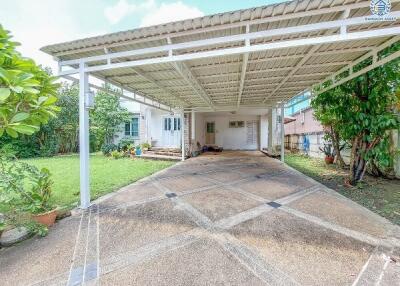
[{"x": 148, "y": 155}]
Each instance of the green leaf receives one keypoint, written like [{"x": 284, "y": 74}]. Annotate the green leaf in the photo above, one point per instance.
[
  {"x": 4, "y": 93},
  {"x": 17, "y": 89},
  {"x": 10, "y": 131},
  {"x": 31, "y": 90},
  {"x": 24, "y": 129},
  {"x": 19, "y": 117},
  {"x": 1, "y": 131}
]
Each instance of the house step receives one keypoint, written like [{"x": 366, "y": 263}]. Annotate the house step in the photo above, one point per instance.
[
  {"x": 164, "y": 153},
  {"x": 148, "y": 155},
  {"x": 163, "y": 149}
]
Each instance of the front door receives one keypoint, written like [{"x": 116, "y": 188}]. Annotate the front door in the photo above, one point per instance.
[
  {"x": 171, "y": 135},
  {"x": 210, "y": 133}
]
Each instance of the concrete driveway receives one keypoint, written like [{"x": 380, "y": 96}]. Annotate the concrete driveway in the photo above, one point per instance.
[{"x": 237, "y": 218}]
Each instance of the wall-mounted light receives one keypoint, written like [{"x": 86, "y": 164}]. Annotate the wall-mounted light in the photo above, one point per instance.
[{"x": 89, "y": 100}]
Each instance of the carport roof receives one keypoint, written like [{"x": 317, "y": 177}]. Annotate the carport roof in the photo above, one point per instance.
[{"x": 256, "y": 57}]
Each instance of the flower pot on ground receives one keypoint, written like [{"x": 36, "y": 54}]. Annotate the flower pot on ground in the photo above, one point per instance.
[
  {"x": 329, "y": 159},
  {"x": 40, "y": 207},
  {"x": 329, "y": 155},
  {"x": 47, "y": 218},
  {"x": 138, "y": 151}
]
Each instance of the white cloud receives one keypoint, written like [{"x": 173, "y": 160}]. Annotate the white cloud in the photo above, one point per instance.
[
  {"x": 150, "y": 12},
  {"x": 49, "y": 26},
  {"x": 170, "y": 12},
  {"x": 122, "y": 9}
]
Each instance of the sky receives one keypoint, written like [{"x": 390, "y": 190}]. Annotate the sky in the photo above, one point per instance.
[{"x": 36, "y": 23}]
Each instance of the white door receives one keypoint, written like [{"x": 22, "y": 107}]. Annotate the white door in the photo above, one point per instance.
[{"x": 171, "y": 135}]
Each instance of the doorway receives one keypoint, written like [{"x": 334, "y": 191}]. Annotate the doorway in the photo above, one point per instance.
[
  {"x": 171, "y": 135},
  {"x": 210, "y": 133}
]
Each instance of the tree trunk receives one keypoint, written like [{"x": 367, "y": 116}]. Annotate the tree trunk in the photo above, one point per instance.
[
  {"x": 336, "y": 147},
  {"x": 357, "y": 162}
]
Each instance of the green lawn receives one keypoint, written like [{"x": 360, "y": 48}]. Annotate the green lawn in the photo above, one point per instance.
[
  {"x": 377, "y": 194},
  {"x": 106, "y": 175}
]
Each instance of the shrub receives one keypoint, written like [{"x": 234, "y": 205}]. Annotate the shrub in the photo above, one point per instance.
[
  {"x": 117, "y": 154},
  {"x": 24, "y": 190},
  {"x": 124, "y": 143},
  {"x": 146, "y": 145},
  {"x": 108, "y": 148}
]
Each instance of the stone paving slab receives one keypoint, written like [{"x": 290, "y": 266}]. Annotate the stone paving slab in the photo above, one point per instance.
[
  {"x": 309, "y": 254},
  {"x": 126, "y": 229},
  {"x": 133, "y": 193},
  {"x": 201, "y": 263},
  {"x": 40, "y": 259},
  {"x": 220, "y": 202},
  {"x": 184, "y": 183},
  {"x": 341, "y": 212}
]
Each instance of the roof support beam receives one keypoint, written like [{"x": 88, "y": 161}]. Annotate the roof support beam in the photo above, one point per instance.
[
  {"x": 188, "y": 76},
  {"x": 160, "y": 86},
  {"x": 351, "y": 74},
  {"x": 244, "y": 68},
  {"x": 314, "y": 49},
  {"x": 122, "y": 95},
  {"x": 169, "y": 48}
]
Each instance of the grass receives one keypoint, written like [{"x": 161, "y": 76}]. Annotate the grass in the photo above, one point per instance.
[
  {"x": 106, "y": 175},
  {"x": 377, "y": 194}
]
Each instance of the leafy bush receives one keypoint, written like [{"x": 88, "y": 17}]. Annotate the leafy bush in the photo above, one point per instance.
[
  {"x": 108, "y": 148},
  {"x": 24, "y": 190},
  {"x": 124, "y": 143},
  {"x": 117, "y": 154},
  {"x": 146, "y": 145},
  {"x": 27, "y": 92}
]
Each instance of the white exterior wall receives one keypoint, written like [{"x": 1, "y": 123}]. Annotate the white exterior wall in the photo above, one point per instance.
[{"x": 232, "y": 138}]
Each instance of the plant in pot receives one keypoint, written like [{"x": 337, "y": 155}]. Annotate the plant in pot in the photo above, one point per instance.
[
  {"x": 138, "y": 150},
  {"x": 131, "y": 150},
  {"x": 146, "y": 146},
  {"x": 38, "y": 198},
  {"x": 329, "y": 156},
  {"x": 25, "y": 193}
]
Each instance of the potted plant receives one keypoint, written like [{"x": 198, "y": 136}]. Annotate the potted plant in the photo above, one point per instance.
[
  {"x": 146, "y": 146},
  {"x": 38, "y": 203},
  {"x": 138, "y": 150},
  {"x": 131, "y": 150},
  {"x": 329, "y": 156}
]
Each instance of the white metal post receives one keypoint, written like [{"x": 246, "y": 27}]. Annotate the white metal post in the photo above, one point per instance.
[
  {"x": 283, "y": 133},
  {"x": 193, "y": 125},
  {"x": 84, "y": 137},
  {"x": 183, "y": 135},
  {"x": 270, "y": 127}
]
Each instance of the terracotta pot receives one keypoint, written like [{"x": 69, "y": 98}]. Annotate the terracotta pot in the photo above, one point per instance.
[
  {"x": 46, "y": 218},
  {"x": 329, "y": 159}
]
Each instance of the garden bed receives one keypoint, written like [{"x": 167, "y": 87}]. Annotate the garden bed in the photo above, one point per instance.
[{"x": 380, "y": 195}]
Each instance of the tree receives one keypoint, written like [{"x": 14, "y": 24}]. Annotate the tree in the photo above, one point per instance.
[
  {"x": 27, "y": 92},
  {"x": 107, "y": 116},
  {"x": 326, "y": 111},
  {"x": 363, "y": 111}
]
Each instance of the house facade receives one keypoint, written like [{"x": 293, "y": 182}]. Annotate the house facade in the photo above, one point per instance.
[{"x": 241, "y": 130}]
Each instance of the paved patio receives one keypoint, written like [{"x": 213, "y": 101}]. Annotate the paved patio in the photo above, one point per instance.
[{"x": 237, "y": 218}]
